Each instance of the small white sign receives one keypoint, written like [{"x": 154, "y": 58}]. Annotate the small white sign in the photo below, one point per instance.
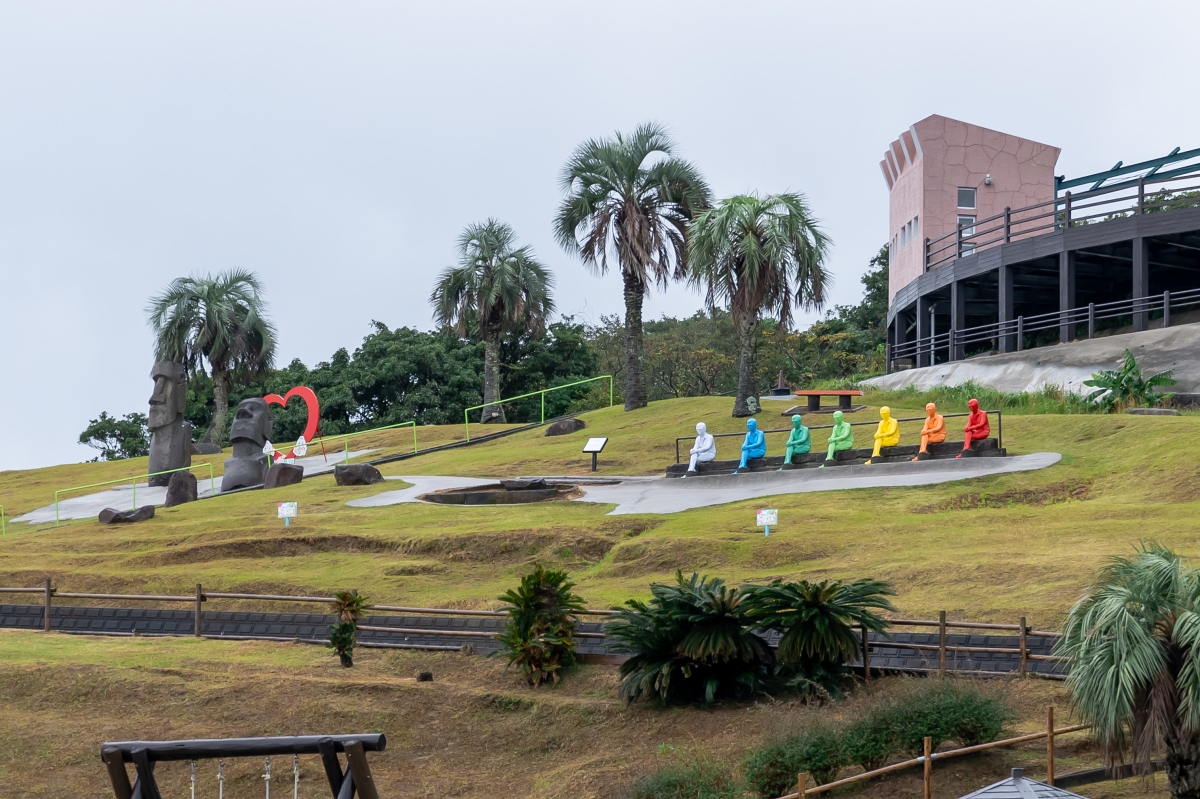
[
  {"x": 301, "y": 448},
  {"x": 595, "y": 445},
  {"x": 766, "y": 518},
  {"x": 288, "y": 510},
  {"x": 268, "y": 447}
]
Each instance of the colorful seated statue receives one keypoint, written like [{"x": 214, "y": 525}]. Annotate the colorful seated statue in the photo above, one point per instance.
[
  {"x": 705, "y": 448},
  {"x": 887, "y": 434},
  {"x": 977, "y": 426},
  {"x": 755, "y": 445},
  {"x": 799, "y": 442},
  {"x": 840, "y": 438},
  {"x": 934, "y": 431}
]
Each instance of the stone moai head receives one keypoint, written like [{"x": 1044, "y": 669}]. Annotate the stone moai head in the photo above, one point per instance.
[
  {"x": 252, "y": 421},
  {"x": 169, "y": 400}
]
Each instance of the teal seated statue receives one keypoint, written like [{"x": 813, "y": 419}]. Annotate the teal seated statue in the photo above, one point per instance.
[
  {"x": 755, "y": 445},
  {"x": 799, "y": 442},
  {"x": 840, "y": 438}
]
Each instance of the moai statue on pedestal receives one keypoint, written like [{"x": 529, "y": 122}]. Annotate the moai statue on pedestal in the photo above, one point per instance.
[
  {"x": 253, "y": 424},
  {"x": 170, "y": 435}
]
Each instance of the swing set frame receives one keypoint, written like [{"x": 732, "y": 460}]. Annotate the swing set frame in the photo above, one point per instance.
[{"x": 355, "y": 780}]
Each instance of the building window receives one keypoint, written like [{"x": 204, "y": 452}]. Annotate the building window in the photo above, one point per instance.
[
  {"x": 916, "y": 231},
  {"x": 966, "y": 198},
  {"x": 968, "y": 229}
]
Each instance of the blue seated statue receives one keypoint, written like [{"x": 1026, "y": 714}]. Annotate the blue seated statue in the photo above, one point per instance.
[{"x": 755, "y": 445}]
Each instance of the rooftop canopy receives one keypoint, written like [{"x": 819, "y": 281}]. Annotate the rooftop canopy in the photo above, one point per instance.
[{"x": 1019, "y": 787}]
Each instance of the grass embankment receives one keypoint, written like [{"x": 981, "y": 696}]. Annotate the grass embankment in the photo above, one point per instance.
[
  {"x": 989, "y": 549},
  {"x": 474, "y": 731}
]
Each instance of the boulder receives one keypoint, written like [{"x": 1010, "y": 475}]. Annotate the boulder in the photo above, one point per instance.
[
  {"x": 283, "y": 474},
  {"x": 565, "y": 426},
  {"x": 114, "y": 516},
  {"x": 524, "y": 485},
  {"x": 181, "y": 489},
  {"x": 1152, "y": 411},
  {"x": 205, "y": 448},
  {"x": 356, "y": 474},
  {"x": 425, "y": 676}
]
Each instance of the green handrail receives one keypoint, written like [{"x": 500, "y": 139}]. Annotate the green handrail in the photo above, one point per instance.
[
  {"x": 346, "y": 436},
  {"x": 211, "y": 485},
  {"x": 543, "y": 392},
  {"x": 3, "y": 531}
]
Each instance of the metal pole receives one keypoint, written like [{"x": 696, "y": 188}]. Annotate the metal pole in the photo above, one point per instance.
[
  {"x": 1141, "y": 209},
  {"x": 1166, "y": 309},
  {"x": 958, "y": 241},
  {"x": 46, "y": 614},
  {"x": 941, "y": 643},
  {"x": 1020, "y": 333},
  {"x": 1007, "y": 224},
  {"x": 135, "y": 493},
  {"x": 1091, "y": 320},
  {"x": 1050, "y": 745},
  {"x": 199, "y": 599},
  {"x": 1067, "y": 212},
  {"x": 543, "y": 407}
]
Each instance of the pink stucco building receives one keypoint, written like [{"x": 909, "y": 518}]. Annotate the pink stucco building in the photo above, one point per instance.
[{"x": 942, "y": 172}]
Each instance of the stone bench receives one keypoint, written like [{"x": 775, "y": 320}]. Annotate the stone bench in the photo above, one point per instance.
[{"x": 904, "y": 453}]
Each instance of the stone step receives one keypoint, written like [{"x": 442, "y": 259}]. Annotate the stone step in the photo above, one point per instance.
[{"x": 986, "y": 448}]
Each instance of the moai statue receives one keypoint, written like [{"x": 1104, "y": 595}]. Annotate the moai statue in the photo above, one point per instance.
[
  {"x": 170, "y": 435},
  {"x": 253, "y": 424}
]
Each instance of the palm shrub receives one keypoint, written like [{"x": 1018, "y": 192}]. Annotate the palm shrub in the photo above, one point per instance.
[
  {"x": 1133, "y": 642},
  {"x": 691, "y": 642},
  {"x": 818, "y": 624},
  {"x": 539, "y": 635},
  {"x": 348, "y": 608},
  {"x": 1125, "y": 387},
  {"x": 772, "y": 770}
]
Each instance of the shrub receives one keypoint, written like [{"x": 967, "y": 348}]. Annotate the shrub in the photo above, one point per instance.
[
  {"x": 772, "y": 770},
  {"x": 691, "y": 642},
  {"x": 946, "y": 710},
  {"x": 693, "y": 779},
  {"x": 540, "y": 632},
  {"x": 348, "y": 608},
  {"x": 1125, "y": 387},
  {"x": 868, "y": 741}
]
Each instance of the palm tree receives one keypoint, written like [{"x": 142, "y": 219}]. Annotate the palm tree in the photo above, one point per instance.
[
  {"x": 631, "y": 198},
  {"x": 1134, "y": 647},
  {"x": 754, "y": 254},
  {"x": 496, "y": 288},
  {"x": 216, "y": 319}
]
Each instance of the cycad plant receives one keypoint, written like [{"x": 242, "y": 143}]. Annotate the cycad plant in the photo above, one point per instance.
[
  {"x": 348, "y": 608},
  {"x": 1134, "y": 647},
  {"x": 1125, "y": 387},
  {"x": 690, "y": 642},
  {"x": 819, "y": 626},
  {"x": 540, "y": 633},
  {"x": 496, "y": 288},
  {"x": 221, "y": 320}
]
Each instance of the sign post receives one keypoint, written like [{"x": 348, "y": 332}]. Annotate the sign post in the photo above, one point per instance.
[
  {"x": 594, "y": 446},
  {"x": 766, "y": 518},
  {"x": 287, "y": 512}
]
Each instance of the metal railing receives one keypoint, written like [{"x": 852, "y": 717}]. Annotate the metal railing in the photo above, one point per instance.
[
  {"x": 954, "y": 342},
  {"x": 211, "y": 484},
  {"x": 345, "y": 437},
  {"x": 1098, "y": 205},
  {"x": 873, "y": 423},
  {"x": 543, "y": 392}
]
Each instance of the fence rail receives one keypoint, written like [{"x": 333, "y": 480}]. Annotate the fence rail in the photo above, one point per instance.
[{"x": 543, "y": 392}]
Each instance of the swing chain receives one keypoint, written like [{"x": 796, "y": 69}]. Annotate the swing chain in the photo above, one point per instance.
[
  {"x": 267, "y": 778},
  {"x": 220, "y": 778},
  {"x": 193, "y": 779},
  {"x": 295, "y": 776}
]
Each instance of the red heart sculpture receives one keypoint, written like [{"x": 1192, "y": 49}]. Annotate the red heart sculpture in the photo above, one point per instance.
[{"x": 310, "y": 399}]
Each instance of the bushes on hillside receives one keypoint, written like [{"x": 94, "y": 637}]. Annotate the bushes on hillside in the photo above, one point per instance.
[
  {"x": 819, "y": 750},
  {"x": 539, "y": 634},
  {"x": 692, "y": 778}
]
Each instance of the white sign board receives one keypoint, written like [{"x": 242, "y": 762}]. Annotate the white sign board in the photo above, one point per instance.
[
  {"x": 595, "y": 445},
  {"x": 288, "y": 510},
  {"x": 301, "y": 448},
  {"x": 766, "y": 518}
]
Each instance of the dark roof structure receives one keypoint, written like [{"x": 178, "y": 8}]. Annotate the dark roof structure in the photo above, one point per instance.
[{"x": 1018, "y": 786}]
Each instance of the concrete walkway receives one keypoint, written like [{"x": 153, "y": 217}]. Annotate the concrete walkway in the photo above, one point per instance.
[
  {"x": 121, "y": 496},
  {"x": 661, "y": 495}
]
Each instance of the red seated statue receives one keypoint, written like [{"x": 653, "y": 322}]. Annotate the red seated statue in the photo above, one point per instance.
[{"x": 977, "y": 425}]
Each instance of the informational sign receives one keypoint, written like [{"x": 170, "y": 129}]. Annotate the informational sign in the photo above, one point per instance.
[
  {"x": 767, "y": 517},
  {"x": 287, "y": 512},
  {"x": 595, "y": 445},
  {"x": 301, "y": 448}
]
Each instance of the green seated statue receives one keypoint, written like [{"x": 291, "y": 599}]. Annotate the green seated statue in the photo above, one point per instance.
[
  {"x": 840, "y": 438},
  {"x": 799, "y": 442}
]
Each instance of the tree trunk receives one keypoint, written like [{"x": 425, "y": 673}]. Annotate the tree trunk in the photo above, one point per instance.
[
  {"x": 491, "y": 381},
  {"x": 635, "y": 384},
  {"x": 216, "y": 430},
  {"x": 1183, "y": 768},
  {"x": 746, "y": 403}
]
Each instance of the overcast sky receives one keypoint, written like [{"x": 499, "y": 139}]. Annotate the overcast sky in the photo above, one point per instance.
[{"x": 337, "y": 149}]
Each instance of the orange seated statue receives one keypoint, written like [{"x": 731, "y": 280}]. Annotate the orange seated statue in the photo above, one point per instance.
[
  {"x": 977, "y": 426},
  {"x": 934, "y": 431}
]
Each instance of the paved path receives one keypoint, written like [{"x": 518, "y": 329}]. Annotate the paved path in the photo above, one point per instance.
[
  {"x": 661, "y": 495},
  {"x": 886, "y": 654},
  {"x": 121, "y": 496}
]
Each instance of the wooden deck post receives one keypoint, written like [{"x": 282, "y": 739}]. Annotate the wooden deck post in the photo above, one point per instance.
[
  {"x": 928, "y": 767},
  {"x": 802, "y": 784},
  {"x": 942, "y": 643},
  {"x": 1050, "y": 745},
  {"x": 46, "y": 614},
  {"x": 1024, "y": 647}
]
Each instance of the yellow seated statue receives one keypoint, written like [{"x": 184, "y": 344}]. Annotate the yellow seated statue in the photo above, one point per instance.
[{"x": 887, "y": 434}]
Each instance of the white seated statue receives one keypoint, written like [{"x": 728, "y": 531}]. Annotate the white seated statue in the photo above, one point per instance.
[{"x": 705, "y": 448}]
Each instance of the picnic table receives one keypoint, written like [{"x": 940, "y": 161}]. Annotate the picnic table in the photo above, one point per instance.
[{"x": 814, "y": 398}]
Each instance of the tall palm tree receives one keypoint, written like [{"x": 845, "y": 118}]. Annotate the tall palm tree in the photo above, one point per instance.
[
  {"x": 496, "y": 288},
  {"x": 217, "y": 319},
  {"x": 631, "y": 198},
  {"x": 1134, "y": 646},
  {"x": 756, "y": 254}
]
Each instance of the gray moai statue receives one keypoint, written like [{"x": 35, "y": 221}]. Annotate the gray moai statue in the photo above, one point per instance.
[
  {"x": 252, "y": 425},
  {"x": 170, "y": 435}
]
